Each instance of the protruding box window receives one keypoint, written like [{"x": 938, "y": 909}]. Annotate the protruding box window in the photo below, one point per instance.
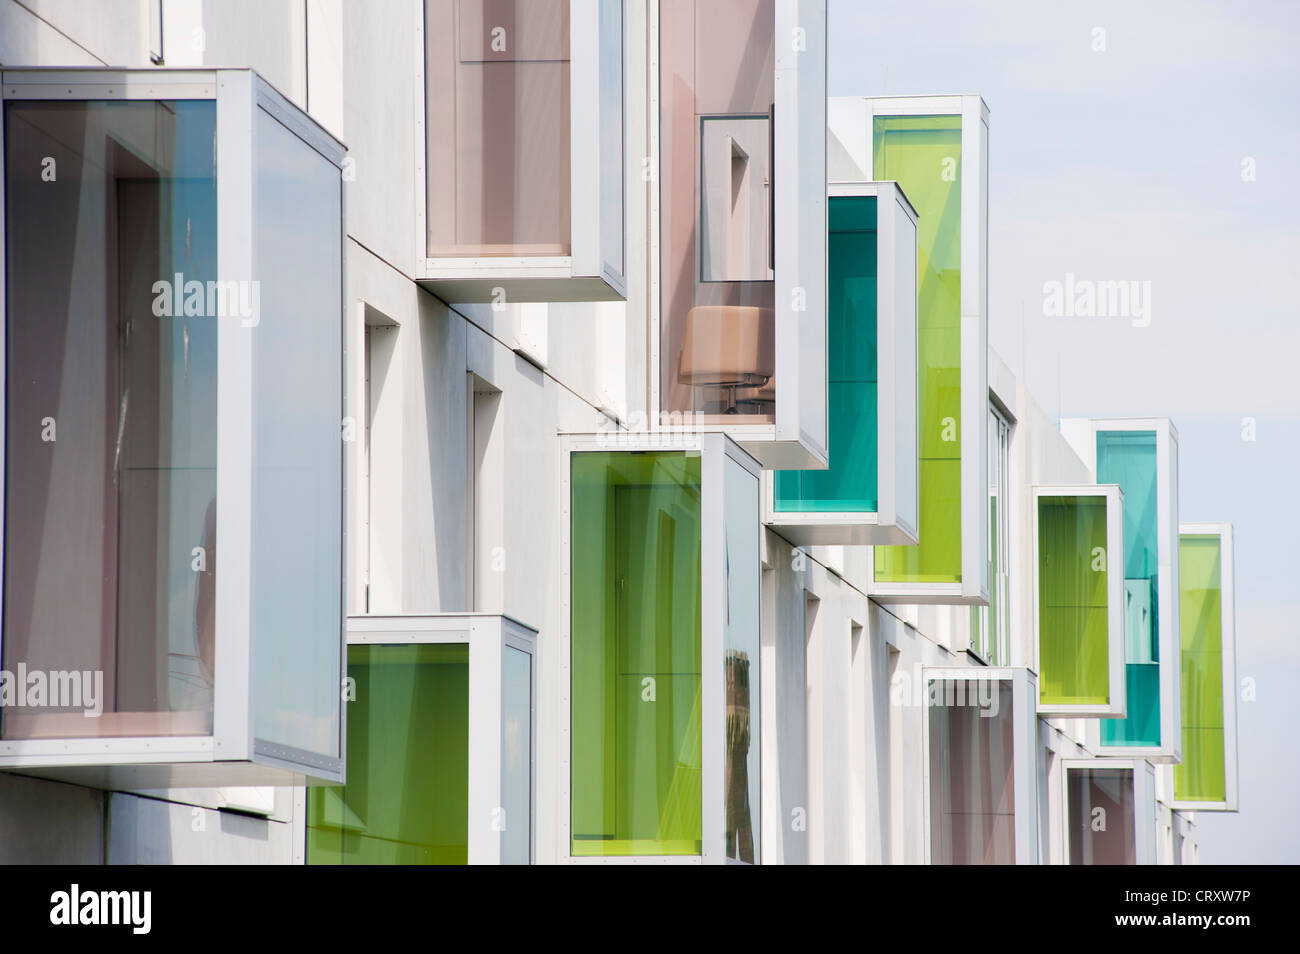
[
  {"x": 1079, "y": 600},
  {"x": 663, "y": 651},
  {"x": 1141, "y": 456},
  {"x": 173, "y": 327},
  {"x": 981, "y": 785},
  {"x": 111, "y": 413},
  {"x": 441, "y": 745},
  {"x": 1206, "y": 779},
  {"x": 936, "y": 149},
  {"x": 869, "y": 492},
  {"x": 524, "y": 173},
  {"x": 742, "y": 219},
  {"x": 1109, "y": 812}
]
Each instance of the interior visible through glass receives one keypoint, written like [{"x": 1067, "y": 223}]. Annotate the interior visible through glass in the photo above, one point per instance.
[
  {"x": 716, "y": 95},
  {"x": 406, "y": 800},
  {"x": 498, "y": 135},
  {"x": 110, "y": 416},
  {"x": 635, "y": 645},
  {"x": 1102, "y": 816},
  {"x": 924, "y": 155},
  {"x": 851, "y": 483},
  {"x": 972, "y": 772}
]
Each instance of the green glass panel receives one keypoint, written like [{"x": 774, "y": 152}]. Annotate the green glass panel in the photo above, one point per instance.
[
  {"x": 1073, "y": 616},
  {"x": 635, "y": 693},
  {"x": 850, "y": 483},
  {"x": 1128, "y": 458},
  {"x": 1201, "y": 775},
  {"x": 923, "y": 154},
  {"x": 406, "y": 800}
]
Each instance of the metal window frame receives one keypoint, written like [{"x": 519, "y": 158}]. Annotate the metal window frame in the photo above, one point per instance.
[
  {"x": 1024, "y": 694},
  {"x": 798, "y": 437},
  {"x": 895, "y": 519},
  {"x": 1081, "y": 434},
  {"x": 1117, "y": 683},
  {"x": 584, "y": 275},
  {"x": 1144, "y": 798},
  {"x": 990, "y": 636},
  {"x": 1227, "y": 587},
  {"x": 714, "y": 450},
  {"x": 488, "y": 636},
  {"x": 853, "y": 119},
  {"x": 230, "y": 756}
]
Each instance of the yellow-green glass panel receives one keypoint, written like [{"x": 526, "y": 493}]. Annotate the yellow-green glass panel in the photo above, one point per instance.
[
  {"x": 1201, "y": 775},
  {"x": 635, "y": 692},
  {"x": 923, "y": 154},
  {"x": 1073, "y": 615},
  {"x": 406, "y": 800}
]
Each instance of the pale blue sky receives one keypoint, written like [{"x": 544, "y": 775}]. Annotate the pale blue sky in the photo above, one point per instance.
[{"x": 1126, "y": 164}]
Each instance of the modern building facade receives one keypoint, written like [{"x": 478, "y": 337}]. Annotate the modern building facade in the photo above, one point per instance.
[{"x": 604, "y": 447}]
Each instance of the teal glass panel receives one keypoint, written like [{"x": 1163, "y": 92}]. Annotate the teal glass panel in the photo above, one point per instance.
[
  {"x": 1128, "y": 458},
  {"x": 850, "y": 484}
]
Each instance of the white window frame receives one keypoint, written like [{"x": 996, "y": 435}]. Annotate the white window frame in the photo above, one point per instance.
[
  {"x": 986, "y": 631},
  {"x": 1144, "y": 803},
  {"x": 852, "y": 119},
  {"x": 586, "y": 274},
  {"x": 488, "y": 636},
  {"x": 1227, "y": 585},
  {"x": 1024, "y": 694},
  {"x": 231, "y": 755},
  {"x": 1081, "y": 434},
  {"x": 715, "y": 450},
  {"x": 798, "y": 436},
  {"x": 895, "y": 519},
  {"x": 1115, "y": 672}
]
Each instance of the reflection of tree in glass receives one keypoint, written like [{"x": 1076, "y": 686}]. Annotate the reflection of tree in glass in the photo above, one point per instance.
[{"x": 740, "y": 833}]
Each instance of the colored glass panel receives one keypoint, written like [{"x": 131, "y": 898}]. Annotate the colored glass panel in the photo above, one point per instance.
[
  {"x": 923, "y": 154},
  {"x": 406, "y": 800},
  {"x": 850, "y": 484},
  {"x": 1201, "y": 775},
  {"x": 1128, "y": 458},
  {"x": 635, "y": 692},
  {"x": 1073, "y": 615}
]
